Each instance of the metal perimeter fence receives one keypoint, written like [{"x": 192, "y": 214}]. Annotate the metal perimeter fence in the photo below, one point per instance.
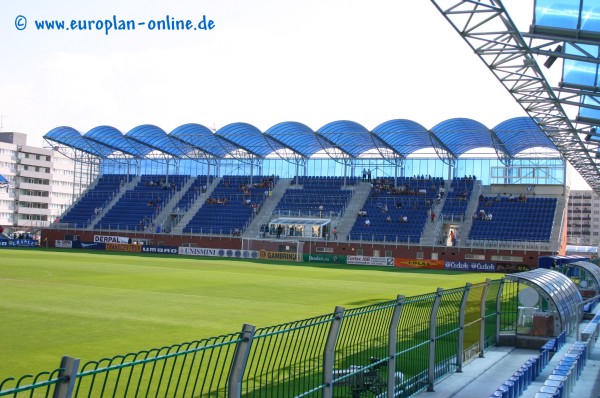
[{"x": 388, "y": 349}]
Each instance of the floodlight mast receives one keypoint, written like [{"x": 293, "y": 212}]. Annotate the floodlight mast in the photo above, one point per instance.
[{"x": 488, "y": 29}]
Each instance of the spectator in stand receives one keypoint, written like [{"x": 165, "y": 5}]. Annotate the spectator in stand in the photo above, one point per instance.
[
  {"x": 388, "y": 218},
  {"x": 321, "y": 211},
  {"x": 432, "y": 217},
  {"x": 482, "y": 214},
  {"x": 335, "y": 233},
  {"x": 367, "y": 223}
]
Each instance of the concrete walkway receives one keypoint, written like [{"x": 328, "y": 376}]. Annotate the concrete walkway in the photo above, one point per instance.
[{"x": 482, "y": 376}]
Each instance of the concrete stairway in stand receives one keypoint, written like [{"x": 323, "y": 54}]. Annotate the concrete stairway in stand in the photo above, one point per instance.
[{"x": 178, "y": 229}]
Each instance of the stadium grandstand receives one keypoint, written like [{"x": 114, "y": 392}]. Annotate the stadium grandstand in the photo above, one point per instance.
[
  {"x": 398, "y": 187},
  {"x": 457, "y": 196}
]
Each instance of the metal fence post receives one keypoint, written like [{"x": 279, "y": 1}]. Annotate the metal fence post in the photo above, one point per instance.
[
  {"x": 240, "y": 359},
  {"x": 499, "y": 309},
  {"x": 432, "y": 340},
  {"x": 393, "y": 338},
  {"x": 461, "y": 327},
  {"x": 68, "y": 375},
  {"x": 329, "y": 353},
  {"x": 484, "y": 294}
]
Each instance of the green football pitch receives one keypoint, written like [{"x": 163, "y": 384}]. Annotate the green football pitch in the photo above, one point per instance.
[{"x": 97, "y": 305}]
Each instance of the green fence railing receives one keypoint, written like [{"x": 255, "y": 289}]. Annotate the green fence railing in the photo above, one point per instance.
[{"x": 389, "y": 349}]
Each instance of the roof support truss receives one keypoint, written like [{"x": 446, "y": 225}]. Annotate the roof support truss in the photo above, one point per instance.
[{"x": 487, "y": 28}]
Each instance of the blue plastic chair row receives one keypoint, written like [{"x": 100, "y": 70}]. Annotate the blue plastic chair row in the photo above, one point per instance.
[
  {"x": 516, "y": 384},
  {"x": 560, "y": 383},
  {"x": 590, "y": 332}
]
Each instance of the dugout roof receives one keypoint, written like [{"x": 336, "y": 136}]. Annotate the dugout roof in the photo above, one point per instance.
[
  {"x": 397, "y": 138},
  {"x": 588, "y": 275},
  {"x": 557, "y": 289}
]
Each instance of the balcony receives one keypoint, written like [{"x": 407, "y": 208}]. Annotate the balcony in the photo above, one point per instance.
[
  {"x": 35, "y": 174},
  {"x": 32, "y": 223},
  {"x": 34, "y": 187},
  {"x": 33, "y": 210},
  {"x": 34, "y": 199},
  {"x": 32, "y": 162}
]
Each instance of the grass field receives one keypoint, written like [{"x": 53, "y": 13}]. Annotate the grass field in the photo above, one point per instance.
[{"x": 96, "y": 305}]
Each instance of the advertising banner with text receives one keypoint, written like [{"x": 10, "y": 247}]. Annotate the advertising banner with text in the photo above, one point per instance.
[
  {"x": 110, "y": 239},
  {"x": 63, "y": 244},
  {"x": 471, "y": 266},
  {"x": 123, "y": 247},
  {"x": 285, "y": 256},
  {"x": 18, "y": 243},
  {"x": 88, "y": 245},
  {"x": 413, "y": 263},
  {"x": 211, "y": 252},
  {"x": 160, "y": 249},
  {"x": 324, "y": 258},
  {"x": 511, "y": 268},
  {"x": 368, "y": 260}
]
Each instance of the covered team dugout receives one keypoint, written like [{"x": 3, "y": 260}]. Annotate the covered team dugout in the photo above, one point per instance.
[
  {"x": 546, "y": 303},
  {"x": 586, "y": 276}
]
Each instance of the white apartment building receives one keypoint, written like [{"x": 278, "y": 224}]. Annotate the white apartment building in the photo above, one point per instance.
[
  {"x": 43, "y": 183},
  {"x": 583, "y": 218}
]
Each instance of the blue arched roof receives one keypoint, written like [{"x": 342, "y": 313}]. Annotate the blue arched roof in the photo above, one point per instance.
[
  {"x": 350, "y": 137},
  {"x": 155, "y": 138},
  {"x": 401, "y": 136},
  {"x": 72, "y": 138},
  {"x": 203, "y": 139},
  {"x": 114, "y": 139},
  {"x": 461, "y": 135},
  {"x": 298, "y": 136},
  {"x": 405, "y": 136},
  {"x": 249, "y": 138},
  {"x": 521, "y": 133}
]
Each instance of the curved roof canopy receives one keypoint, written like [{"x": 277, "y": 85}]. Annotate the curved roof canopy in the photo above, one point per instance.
[
  {"x": 393, "y": 138},
  {"x": 405, "y": 136},
  {"x": 560, "y": 293},
  {"x": 588, "y": 275},
  {"x": 521, "y": 133},
  {"x": 72, "y": 138},
  {"x": 462, "y": 135},
  {"x": 157, "y": 139},
  {"x": 114, "y": 139},
  {"x": 300, "y": 137},
  {"x": 202, "y": 139},
  {"x": 250, "y": 139}
]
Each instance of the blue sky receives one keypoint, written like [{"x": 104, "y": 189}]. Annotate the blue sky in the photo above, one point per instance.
[{"x": 265, "y": 61}]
